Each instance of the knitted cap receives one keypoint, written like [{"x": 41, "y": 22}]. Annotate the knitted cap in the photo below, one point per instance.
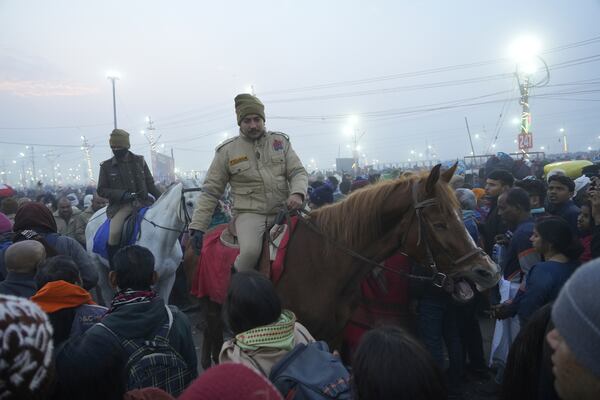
[
  {"x": 24, "y": 256},
  {"x": 119, "y": 138},
  {"x": 321, "y": 195},
  {"x": 26, "y": 351},
  {"x": 576, "y": 315},
  {"x": 246, "y": 104},
  {"x": 5, "y": 224},
  {"x": 230, "y": 381}
]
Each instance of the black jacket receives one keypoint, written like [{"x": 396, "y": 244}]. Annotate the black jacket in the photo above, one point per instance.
[
  {"x": 492, "y": 226},
  {"x": 91, "y": 366},
  {"x": 18, "y": 284},
  {"x": 117, "y": 177}
]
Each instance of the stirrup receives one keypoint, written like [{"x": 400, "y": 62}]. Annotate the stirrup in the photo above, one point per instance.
[{"x": 439, "y": 279}]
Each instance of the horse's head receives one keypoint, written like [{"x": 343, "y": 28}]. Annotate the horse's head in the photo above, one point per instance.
[
  {"x": 191, "y": 196},
  {"x": 437, "y": 235}
]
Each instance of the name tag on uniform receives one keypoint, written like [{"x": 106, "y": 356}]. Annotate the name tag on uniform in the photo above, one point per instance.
[{"x": 237, "y": 160}]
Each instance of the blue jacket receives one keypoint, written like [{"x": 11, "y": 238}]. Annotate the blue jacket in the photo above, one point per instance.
[
  {"x": 470, "y": 220},
  {"x": 568, "y": 211},
  {"x": 520, "y": 255},
  {"x": 544, "y": 281}
]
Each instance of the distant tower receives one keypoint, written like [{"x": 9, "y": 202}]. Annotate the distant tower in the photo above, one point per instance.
[{"x": 88, "y": 158}]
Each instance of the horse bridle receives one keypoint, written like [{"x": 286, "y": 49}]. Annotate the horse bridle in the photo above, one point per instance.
[
  {"x": 186, "y": 215},
  {"x": 437, "y": 278}
]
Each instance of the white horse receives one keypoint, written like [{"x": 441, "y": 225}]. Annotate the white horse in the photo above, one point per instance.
[{"x": 159, "y": 230}]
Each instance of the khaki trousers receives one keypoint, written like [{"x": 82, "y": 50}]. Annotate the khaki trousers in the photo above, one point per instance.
[
  {"x": 116, "y": 224},
  {"x": 250, "y": 229}
]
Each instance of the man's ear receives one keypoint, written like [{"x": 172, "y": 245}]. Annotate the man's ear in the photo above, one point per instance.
[
  {"x": 154, "y": 278},
  {"x": 112, "y": 278}
]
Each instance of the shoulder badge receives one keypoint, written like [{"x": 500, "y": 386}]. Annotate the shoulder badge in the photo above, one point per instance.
[
  {"x": 225, "y": 143},
  {"x": 277, "y": 144},
  {"x": 281, "y": 134}
]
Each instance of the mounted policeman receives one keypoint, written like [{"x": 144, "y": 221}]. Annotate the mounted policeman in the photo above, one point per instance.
[
  {"x": 125, "y": 180},
  {"x": 264, "y": 172}
]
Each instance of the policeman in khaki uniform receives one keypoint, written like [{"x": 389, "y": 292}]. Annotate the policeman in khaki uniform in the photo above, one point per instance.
[
  {"x": 124, "y": 178},
  {"x": 263, "y": 171}
]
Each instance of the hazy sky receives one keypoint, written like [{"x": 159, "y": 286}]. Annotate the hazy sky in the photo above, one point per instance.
[{"x": 313, "y": 63}]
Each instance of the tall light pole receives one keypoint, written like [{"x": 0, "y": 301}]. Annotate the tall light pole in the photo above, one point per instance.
[
  {"x": 114, "y": 76},
  {"x": 564, "y": 140},
  {"x": 86, "y": 148},
  {"x": 526, "y": 51},
  {"x": 352, "y": 129}
]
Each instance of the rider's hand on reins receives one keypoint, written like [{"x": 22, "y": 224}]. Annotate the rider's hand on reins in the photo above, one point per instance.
[
  {"x": 129, "y": 197},
  {"x": 294, "y": 202},
  {"x": 196, "y": 239}
]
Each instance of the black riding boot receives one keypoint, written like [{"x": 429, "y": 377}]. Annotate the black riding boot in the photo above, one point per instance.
[{"x": 111, "y": 249}]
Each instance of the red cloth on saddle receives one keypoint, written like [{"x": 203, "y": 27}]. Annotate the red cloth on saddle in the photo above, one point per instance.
[
  {"x": 215, "y": 261},
  {"x": 277, "y": 264},
  {"x": 379, "y": 307},
  {"x": 214, "y": 267}
]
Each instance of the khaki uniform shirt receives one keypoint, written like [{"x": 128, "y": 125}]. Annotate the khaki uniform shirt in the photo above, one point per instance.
[
  {"x": 262, "y": 174},
  {"x": 66, "y": 228},
  {"x": 128, "y": 175},
  {"x": 81, "y": 222}
]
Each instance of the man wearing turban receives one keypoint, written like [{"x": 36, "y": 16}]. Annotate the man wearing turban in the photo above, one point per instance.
[
  {"x": 264, "y": 172},
  {"x": 124, "y": 178}
]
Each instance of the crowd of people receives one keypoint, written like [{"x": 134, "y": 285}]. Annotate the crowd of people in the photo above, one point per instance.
[
  {"x": 535, "y": 230},
  {"x": 60, "y": 340}
]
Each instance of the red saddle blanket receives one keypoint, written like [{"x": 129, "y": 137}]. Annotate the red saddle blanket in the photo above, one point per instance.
[{"x": 215, "y": 261}]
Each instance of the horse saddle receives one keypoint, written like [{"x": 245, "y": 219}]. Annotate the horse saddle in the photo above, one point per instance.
[
  {"x": 229, "y": 236},
  {"x": 276, "y": 233},
  {"x": 129, "y": 234},
  {"x": 129, "y": 229}
]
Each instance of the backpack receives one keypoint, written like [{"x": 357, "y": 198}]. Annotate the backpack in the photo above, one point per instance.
[
  {"x": 154, "y": 363},
  {"x": 311, "y": 372}
]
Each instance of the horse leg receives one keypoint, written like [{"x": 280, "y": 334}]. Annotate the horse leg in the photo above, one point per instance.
[
  {"x": 216, "y": 329},
  {"x": 213, "y": 334},
  {"x": 190, "y": 265},
  {"x": 206, "y": 359}
]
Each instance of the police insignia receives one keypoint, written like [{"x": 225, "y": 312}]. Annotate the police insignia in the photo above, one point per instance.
[
  {"x": 277, "y": 145},
  {"x": 237, "y": 160}
]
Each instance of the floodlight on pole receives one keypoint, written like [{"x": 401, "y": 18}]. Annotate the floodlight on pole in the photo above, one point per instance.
[
  {"x": 114, "y": 76},
  {"x": 526, "y": 53}
]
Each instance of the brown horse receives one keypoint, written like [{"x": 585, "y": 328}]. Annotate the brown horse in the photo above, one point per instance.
[{"x": 331, "y": 253}]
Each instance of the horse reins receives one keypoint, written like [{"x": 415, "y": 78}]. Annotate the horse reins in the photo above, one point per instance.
[
  {"x": 186, "y": 215},
  {"x": 437, "y": 278}
]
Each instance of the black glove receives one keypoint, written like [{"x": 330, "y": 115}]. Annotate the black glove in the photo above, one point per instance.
[
  {"x": 502, "y": 311},
  {"x": 128, "y": 197},
  {"x": 196, "y": 238}
]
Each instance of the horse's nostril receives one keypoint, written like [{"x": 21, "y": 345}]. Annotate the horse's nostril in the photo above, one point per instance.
[{"x": 484, "y": 273}]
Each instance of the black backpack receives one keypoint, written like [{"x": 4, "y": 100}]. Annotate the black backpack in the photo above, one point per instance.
[
  {"x": 311, "y": 372},
  {"x": 154, "y": 363}
]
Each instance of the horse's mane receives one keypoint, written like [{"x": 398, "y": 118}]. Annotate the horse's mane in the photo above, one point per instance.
[
  {"x": 164, "y": 194},
  {"x": 356, "y": 220}
]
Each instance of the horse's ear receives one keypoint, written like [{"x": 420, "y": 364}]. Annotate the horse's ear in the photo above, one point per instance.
[
  {"x": 432, "y": 179},
  {"x": 447, "y": 175}
]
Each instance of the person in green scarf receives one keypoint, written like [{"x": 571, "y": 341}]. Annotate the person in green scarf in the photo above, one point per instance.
[{"x": 263, "y": 332}]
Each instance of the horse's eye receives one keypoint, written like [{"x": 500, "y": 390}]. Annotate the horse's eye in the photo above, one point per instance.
[{"x": 440, "y": 225}]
